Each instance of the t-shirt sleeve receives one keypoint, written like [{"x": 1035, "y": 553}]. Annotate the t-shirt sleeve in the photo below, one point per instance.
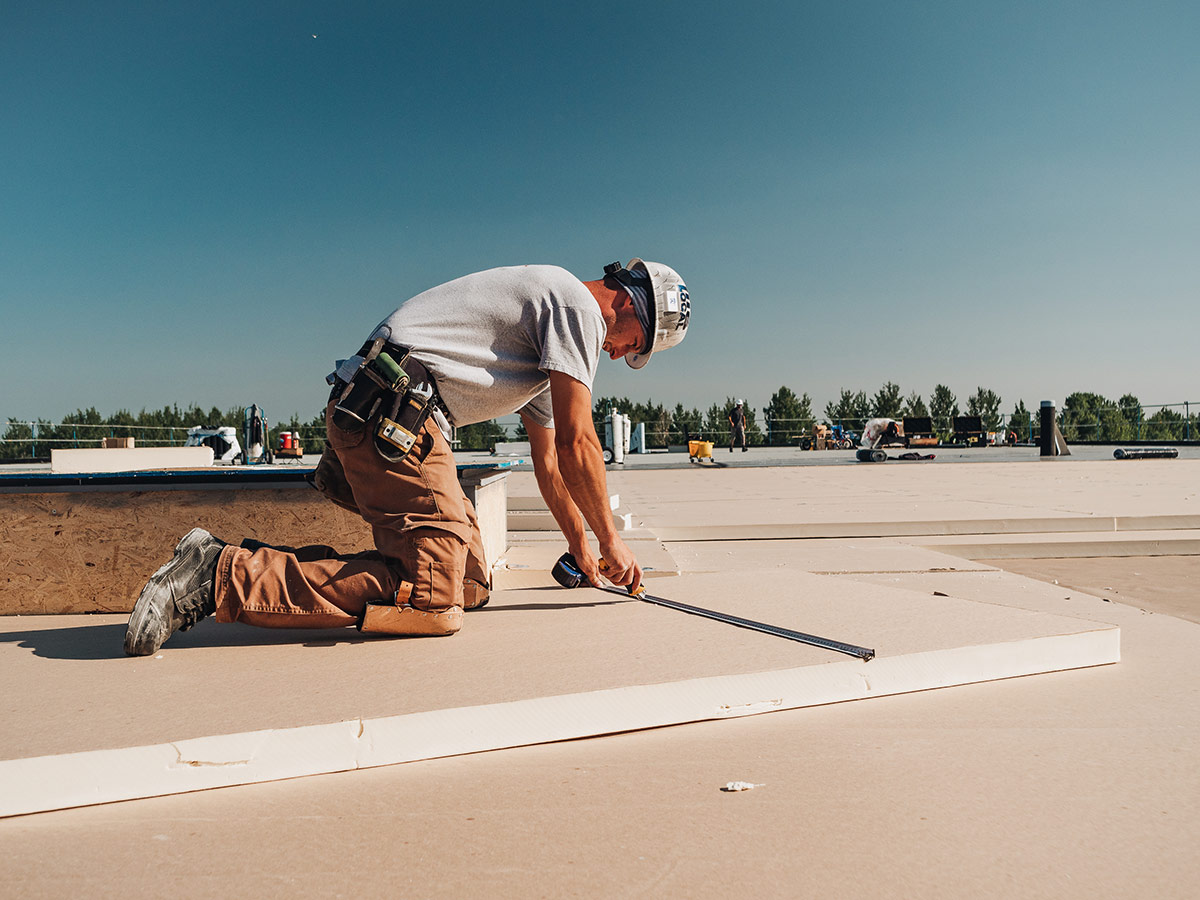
[
  {"x": 540, "y": 410},
  {"x": 572, "y": 341}
]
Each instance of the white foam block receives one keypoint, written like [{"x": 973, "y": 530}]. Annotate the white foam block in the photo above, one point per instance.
[{"x": 129, "y": 459}]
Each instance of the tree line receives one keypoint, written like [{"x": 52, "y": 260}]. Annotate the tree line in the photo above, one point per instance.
[
  {"x": 781, "y": 422},
  {"x": 787, "y": 416},
  {"x": 166, "y": 427}
]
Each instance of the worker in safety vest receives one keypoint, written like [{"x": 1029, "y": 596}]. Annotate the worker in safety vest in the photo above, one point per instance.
[{"x": 524, "y": 339}]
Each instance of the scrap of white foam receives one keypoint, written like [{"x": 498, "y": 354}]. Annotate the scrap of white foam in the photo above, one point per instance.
[{"x": 734, "y": 786}]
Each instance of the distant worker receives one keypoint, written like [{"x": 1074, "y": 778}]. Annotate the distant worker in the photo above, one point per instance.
[
  {"x": 525, "y": 339},
  {"x": 737, "y": 426},
  {"x": 881, "y": 432}
]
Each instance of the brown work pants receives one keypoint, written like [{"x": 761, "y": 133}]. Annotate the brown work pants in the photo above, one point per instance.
[{"x": 428, "y": 559}]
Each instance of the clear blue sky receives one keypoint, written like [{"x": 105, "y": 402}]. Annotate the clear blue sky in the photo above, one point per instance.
[{"x": 203, "y": 202}]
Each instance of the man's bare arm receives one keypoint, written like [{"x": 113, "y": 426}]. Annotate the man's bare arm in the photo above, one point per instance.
[
  {"x": 553, "y": 490},
  {"x": 580, "y": 463}
]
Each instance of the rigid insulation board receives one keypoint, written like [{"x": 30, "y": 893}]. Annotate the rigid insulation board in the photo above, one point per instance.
[
  {"x": 877, "y": 501},
  {"x": 1059, "y": 546},
  {"x": 128, "y": 459},
  {"x": 226, "y": 704}
]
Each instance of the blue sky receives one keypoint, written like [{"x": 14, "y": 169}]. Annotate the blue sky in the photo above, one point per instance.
[{"x": 206, "y": 203}]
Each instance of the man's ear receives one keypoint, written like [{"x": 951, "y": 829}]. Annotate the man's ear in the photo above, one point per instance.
[{"x": 622, "y": 302}]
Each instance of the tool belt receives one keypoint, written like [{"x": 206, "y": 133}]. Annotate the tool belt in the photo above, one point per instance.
[{"x": 390, "y": 392}]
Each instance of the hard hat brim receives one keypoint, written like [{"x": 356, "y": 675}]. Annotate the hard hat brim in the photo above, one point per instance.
[{"x": 666, "y": 312}]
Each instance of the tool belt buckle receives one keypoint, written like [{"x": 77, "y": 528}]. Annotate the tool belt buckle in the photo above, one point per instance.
[{"x": 396, "y": 435}]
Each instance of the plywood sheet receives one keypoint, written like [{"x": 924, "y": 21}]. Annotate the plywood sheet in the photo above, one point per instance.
[{"x": 93, "y": 551}]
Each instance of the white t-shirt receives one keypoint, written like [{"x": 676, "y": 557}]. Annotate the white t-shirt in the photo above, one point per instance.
[{"x": 490, "y": 339}]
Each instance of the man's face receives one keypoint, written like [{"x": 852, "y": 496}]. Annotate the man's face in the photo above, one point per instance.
[{"x": 625, "y": 335}]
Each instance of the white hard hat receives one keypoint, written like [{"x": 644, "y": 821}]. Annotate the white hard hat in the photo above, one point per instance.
[{"x": 671, "y": 305}]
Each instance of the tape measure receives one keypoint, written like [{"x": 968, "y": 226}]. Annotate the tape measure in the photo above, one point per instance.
[{"x": 567, "y": 573}]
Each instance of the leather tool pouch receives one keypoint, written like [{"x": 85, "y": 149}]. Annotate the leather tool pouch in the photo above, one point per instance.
[
  {"x": 392, "y": 389},
  {"x": 379, "y": 380},
  {"x": 400, "y": 425}
]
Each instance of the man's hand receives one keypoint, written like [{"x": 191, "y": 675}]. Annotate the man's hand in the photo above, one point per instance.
[
  {"x": 587, "y": 562},
  {"x": 570, "y": 473},
  {"x": 621, "y": 567}
]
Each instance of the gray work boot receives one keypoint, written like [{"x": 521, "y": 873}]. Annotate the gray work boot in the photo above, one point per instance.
[{"x": 177, "y": 596}]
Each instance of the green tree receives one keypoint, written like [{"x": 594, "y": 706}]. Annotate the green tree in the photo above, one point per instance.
[
  {"x": 17, "y": 441},
  {"x": 686, "y": 424},
  {"x": 657, "y": 420},
  {"x": 914, "y": 407},
  {"x": 1079, "y": 418},
  {"x": 1022, "y": 422},
  {"x": 658, "y": 426},
  {"x": 82, "y": 428},
  {"x": 481, "y": 435},
  {"x": 1092, "y": 417},
  {"x": 1165, "y": 425},
  {"x": 715, "y": 426},
  {"x": 754, "y": 434},
  {"x": 602, "y": 406},
  {"x": 312, "y": 433},
  {"x": 986, "y": 404},
  {"x": 656, "y": 417},
  {"x": 788, "y": 416},
  {"x": 851, "y": 410},
  {"x": 943, "y": 407},
  {"x": 888, "y": 402},
  {"x": 1131, "y": 410}
]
